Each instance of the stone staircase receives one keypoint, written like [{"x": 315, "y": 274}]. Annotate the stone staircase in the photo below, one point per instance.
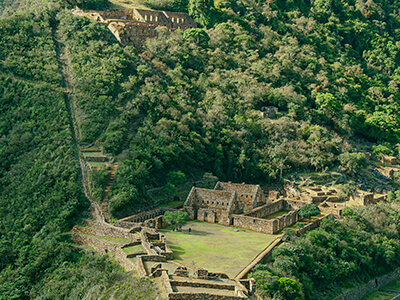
[{"x": 104, "y": 201}]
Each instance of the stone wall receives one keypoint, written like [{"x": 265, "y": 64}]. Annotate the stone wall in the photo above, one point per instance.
[
  {"x": 143, "y": 216},
  {"x": 363, "y": 198},
  {"x": 112, "y": 231},
  {"x": 107, "y": 232},
  {"x": 202, "y": 284},
  {"x": 200, "y": 296},
  {"x": 212, "y": 199},
  {"x": 295, "y": 204},
  {"x": 284, "y": 221},
  {"x": 370, "y": 286},
  {"x": 166, "y": 283},
  {"x": 254, "y": 221},
  {"x": 206, "y": 215},
  {"x": 256, "y": 224},
  {"x": 140, "y": 267},
  {"x": 313, "y": 225},
  {"x": 122, "y": 258},
  {"x": 249, "y": 195},
  {"x": 331, "y": 208},
  {"x": 267, "y": 209},
  {"x": 124, "y": 14},
  {"x": 133, "y": 26}
]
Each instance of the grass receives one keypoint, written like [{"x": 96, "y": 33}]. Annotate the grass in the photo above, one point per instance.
[
  {"x": 378, "y": 296},
  {"x": 107, "y": 239},
  {"x": 134, "y": 249},
  {"x": 393, "y": 286},
  {"x": 216, "y": 247},
  {"x": 93, "y": 154},
  {"x": 97, "y": 164}
]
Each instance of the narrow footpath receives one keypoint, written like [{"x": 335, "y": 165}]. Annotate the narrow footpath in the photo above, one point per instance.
[{"x": 98, "y": 213}]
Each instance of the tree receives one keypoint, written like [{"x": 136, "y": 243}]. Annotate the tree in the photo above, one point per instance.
[
  {"x": 175, "y": 218},
  {"x": 328, "y": 104},
  {"x": 169, "y": 190},
  {"x": 201, "y": 11},
  {"x": 198, "y": 35},
  {"x": 289, "y": 289},
  {"x": 346, "y": 191},
  {"x": 309, "y": 210},
  {"x": 352, "y": 162},
  {"x": 176, "y": 177}
]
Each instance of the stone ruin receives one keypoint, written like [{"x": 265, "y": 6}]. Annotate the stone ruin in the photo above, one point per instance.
[
  {"x": 241, "y": 205},
  {"x": 390, "y": 160},
  {"x": 134, "y": 26}
]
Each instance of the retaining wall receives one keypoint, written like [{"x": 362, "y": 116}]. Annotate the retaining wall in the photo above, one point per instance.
[
  {"x": 140, "y": 267},
  {"x": 218, "y": 286},
  {"x": 122, "y": 259},
  {"x": 313, "y": 225},
  {"x": 200, "y": 296}
]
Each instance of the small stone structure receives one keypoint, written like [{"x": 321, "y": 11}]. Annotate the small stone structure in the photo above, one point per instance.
[
  {"x": 390, "y": 160},
  {"x": 318, "y": 195},
  {"x": 133, "y": 26},
  {"x": 151, "y": 218},
  {"x": 155, "y": 243},
  {"x": 241, "y": 205}
]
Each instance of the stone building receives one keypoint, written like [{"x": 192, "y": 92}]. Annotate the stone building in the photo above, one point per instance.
[
  {"x": 134, "y": 26},
  {"x": 241, "y": 205}
]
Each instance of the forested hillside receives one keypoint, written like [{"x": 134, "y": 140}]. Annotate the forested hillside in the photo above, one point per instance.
[
  {"x": 40, "y": 187},
  {"x": 193, "y": 101},
  {"x": 188, "y": 103}
]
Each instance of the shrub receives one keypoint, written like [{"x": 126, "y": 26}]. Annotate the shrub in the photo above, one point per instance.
[
  {"x": 352, "y": 162},
  {"x": 309, "y": 210}
]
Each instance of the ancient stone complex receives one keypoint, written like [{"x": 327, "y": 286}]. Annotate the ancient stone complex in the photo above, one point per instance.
[
  {"x": 241, "y": 205},
  {"x": 133, "y": 26}
]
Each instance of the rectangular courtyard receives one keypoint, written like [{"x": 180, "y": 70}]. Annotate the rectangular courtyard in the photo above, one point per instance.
[{"x": 215, "y": 247}]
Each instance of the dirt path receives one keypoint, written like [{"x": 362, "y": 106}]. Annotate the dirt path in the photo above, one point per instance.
[{"x": 67, "y": 81}]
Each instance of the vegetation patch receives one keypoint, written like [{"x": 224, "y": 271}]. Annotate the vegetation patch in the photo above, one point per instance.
[
  {"x": 393, "y": 286},
  {"x": 377, "y": 295}
]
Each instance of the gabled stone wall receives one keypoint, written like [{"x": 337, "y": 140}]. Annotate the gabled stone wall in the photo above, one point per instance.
[{"x": 134, "y": 26}]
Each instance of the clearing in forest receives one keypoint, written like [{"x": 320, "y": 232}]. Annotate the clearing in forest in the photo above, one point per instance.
[{"x": 215, "y": 247}]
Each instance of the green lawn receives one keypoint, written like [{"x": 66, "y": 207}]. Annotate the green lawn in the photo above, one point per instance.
[
  {"x": 216, "y": 247},
  {"x": 134, "y": 249},
  {"x": 378, "y": 296},
  {"x": 393, "y": 286}
]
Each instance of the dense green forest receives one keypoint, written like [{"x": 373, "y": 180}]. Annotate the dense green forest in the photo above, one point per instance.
[
  {"x": 337, "y": 254},
  {"x": 193, "y": 101},
  {"x": 40, "y": 187},
  {"x": 188, "y": 103}
]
